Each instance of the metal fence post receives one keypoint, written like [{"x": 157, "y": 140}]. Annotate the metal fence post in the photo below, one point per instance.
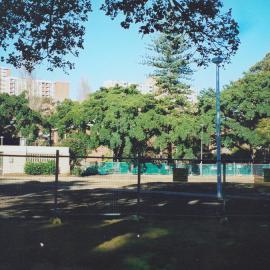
[
  {"x": 224, "y": 173},
  {"x": 56, "y": 183}
]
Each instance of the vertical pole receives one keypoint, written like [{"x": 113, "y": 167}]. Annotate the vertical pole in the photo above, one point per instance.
[
  {"x": 224, "y": 189},
  {"x": 50, "y": 136},
  {"x": 201, "y": 151},
  {"x": 218, "y": 135},
  {"x": 224, "y": 173},
  {"x": 56, "y": 183},
  {"x": 139, "y": 183}
]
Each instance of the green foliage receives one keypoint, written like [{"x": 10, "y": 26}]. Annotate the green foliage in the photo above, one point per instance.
[
  {"x": 68, "y": 118},
  {"x": 129, "y": 122},
  {"x": 209, "y": 31},
  {"x": 33, "y": 31},
  {"x": 16, "y": 117},
  {"x": 76, "y": 170},
  {"x": 262, "y": 66},
  {"x": 79, "y": 171},
  {"x": 263, "y": 130},
  {"x": 42, "y": 30},
  {"x": 169, "y": 58},
  {"x": 244, "y": 103},
  {"x": 121, "y": 118},
  {"x": 78, "y": 144},
  {"x": 92, "y": 170},
  {"x": 40, "y": 168}
]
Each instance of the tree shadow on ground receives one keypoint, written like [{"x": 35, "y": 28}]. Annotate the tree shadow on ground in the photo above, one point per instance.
[
  {"x": 31, "y": 199},
  {"x": 125, "y": 244}
]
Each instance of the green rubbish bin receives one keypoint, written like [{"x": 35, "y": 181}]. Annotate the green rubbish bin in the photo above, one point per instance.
[
  {"x": 180, "y": 175},
  {"x": 266, "y": 175}
]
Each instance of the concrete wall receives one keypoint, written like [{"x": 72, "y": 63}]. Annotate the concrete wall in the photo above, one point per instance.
[{"x": 15, "y": 165}]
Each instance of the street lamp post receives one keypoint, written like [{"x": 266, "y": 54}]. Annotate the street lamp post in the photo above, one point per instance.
[{"x": 217, "y": 61}]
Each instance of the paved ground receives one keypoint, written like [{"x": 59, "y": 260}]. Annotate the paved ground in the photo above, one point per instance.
[
  {"x": 119, "y": 180},
  {"x": 35, "y": 195}
]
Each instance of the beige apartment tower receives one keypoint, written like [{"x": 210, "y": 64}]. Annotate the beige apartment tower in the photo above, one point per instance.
[
  {"x": 61, "y": 91},
  {"x": 5, "y": 74},
  {"x": 58, "y": 91}
]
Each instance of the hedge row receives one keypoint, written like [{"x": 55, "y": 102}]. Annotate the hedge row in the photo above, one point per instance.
[{"x": 39, "y": 168}]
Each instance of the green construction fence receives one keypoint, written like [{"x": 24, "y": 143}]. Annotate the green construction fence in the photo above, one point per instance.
[{"x": 149, "y": 168}]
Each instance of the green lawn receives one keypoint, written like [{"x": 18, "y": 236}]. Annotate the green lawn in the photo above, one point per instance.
[{"x": 127, "y": 244}]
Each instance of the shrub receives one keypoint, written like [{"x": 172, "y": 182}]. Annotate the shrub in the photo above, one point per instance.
[
  {"x": 77, "y": 171},
  {"x": 93, "y": 170},
  {"x": 39, "y": 168},
  {"x": 78, "y": 144}
]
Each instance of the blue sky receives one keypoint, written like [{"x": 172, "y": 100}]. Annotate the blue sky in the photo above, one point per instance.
[{"x": 112, "y": 53}]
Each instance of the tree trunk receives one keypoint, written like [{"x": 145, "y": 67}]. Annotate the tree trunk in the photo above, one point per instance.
[{"x": 169, "y": 148}]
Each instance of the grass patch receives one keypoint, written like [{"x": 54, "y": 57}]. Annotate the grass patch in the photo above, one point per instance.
[
  {"x": 204, "y": 244},
  {"x": 115, "y": 243}
]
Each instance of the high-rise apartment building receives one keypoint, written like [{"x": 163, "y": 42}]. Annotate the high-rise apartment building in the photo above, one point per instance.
[
  {"x": 5, "y": 74},
  {"x": 61, "y": 91},
  {"x": 58, "y": 91}
]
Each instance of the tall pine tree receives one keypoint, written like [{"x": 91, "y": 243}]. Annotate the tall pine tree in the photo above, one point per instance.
[{"x": 169, "y": 58}]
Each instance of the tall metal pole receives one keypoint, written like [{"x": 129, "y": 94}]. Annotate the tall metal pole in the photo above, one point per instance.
[
  {"x": 56, "y": 184},
  {"x": 218, "y": 133}
]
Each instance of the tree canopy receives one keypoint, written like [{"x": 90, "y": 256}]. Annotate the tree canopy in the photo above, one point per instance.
[
  {"x": 245, "y": 106},
  {"x": 33, "y": 31},
  {"x": 210, "y": 32},
  {"x": 17, "y": 119},
  {"x": 169, "y": 57},
  {"x": 129, "y": 122},
  {"x": 122, "y": 119}
]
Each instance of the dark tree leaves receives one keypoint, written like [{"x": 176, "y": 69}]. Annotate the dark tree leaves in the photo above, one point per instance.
[
  {"x": 210, "y": 32},
  {"x": 32, "y": 31}
]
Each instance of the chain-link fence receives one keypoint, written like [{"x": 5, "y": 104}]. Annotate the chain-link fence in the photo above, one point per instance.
[{"x": 54, "y": 185}]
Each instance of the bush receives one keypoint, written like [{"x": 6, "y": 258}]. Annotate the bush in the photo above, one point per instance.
[
  {"x": 78, "y": 144},
  {"x": 77, "y": 171},
  {"x": 93, "y": 170},
  {"x": 39, "y": 168}
]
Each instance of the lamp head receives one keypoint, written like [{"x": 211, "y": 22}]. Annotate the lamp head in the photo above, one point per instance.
[{"x": 217, "y": 60}]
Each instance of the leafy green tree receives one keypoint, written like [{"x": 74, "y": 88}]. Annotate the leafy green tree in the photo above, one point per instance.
[
  {"x": 17, "y": 119},
  {"x": 68, "y": 118},
  {"x": 262, "y": 66},
  {"x": 206, "y": 120},
  {"x": 186, "y": 136},
  {"x": 263, "y": 129},
  {"x": 244, "y": 103},
  {"x": 78, "y": 144},
  {"x": 32, "y": 31},
  {"x": 170, "y": 59},
  {"x": 122, "y": 119}
]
